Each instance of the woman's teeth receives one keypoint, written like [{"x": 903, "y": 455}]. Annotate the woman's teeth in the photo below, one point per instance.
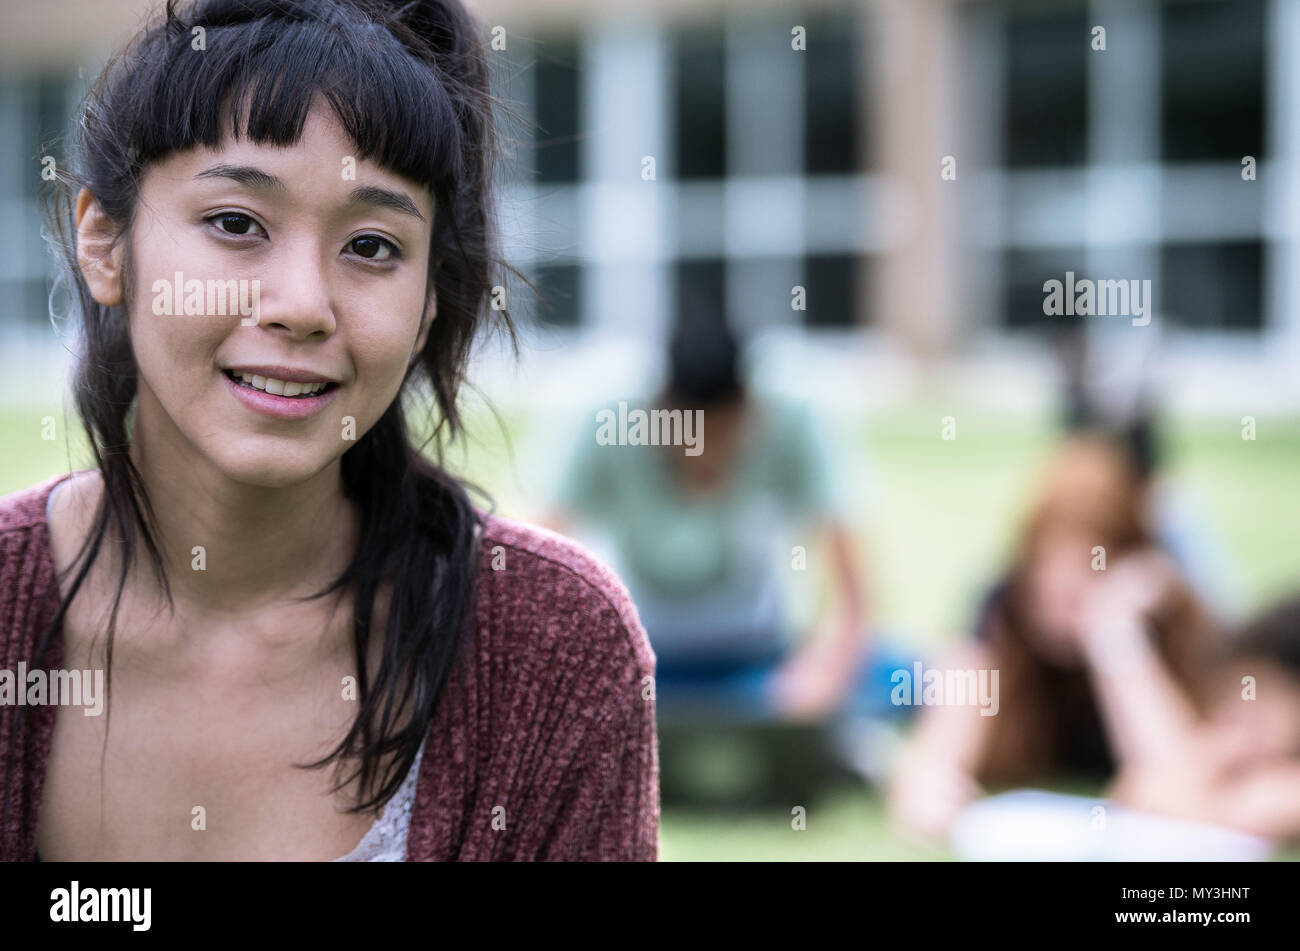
[{"x": 278, "y": 387}]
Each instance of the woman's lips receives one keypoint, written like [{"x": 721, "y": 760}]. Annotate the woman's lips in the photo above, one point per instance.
[{"x": 280, "y": 407}]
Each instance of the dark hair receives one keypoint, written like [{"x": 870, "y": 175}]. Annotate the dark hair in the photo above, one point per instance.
[
  {"x": 1136, "y": 435},
  {"x": 409, "y": 84},
  {"x": 703, "y": 355}
]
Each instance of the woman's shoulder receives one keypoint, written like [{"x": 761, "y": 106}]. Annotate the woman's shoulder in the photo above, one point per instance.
[
  {"x": 554, "y": 592},
  {"x": 26, "y": 563},
  {"x": 24, "y": 509}
]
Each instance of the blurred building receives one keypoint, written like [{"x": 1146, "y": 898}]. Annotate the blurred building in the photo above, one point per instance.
[{"x": 788, "y": 158}]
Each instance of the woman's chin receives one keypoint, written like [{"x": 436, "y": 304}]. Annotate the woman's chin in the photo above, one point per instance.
[{"x": 273, "y": 472}]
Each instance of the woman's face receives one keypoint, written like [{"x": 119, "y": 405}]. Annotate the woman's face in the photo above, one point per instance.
[{"x": 332, "y": 249}]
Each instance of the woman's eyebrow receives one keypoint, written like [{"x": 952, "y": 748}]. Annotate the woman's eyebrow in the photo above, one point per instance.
[
  {"x": 246, "y": 175},
  {"x": 384, "y": 198},
  {"x": 256, "y": 179}
]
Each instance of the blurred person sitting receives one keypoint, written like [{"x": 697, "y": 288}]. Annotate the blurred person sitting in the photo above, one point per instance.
[
  {"x": 1087, "y": 528},
  {"x": 702, "y": 541}
]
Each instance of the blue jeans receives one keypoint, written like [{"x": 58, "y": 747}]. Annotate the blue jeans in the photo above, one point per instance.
[{"x": 743, "y": 688}]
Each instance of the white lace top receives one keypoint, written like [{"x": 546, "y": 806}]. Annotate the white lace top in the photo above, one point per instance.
[{"x": 385, "y": 841}]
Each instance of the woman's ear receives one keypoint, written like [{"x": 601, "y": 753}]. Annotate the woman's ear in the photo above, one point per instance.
[
  {"x": 98, "y": 256},
  {"x": 430, "y": 312}
]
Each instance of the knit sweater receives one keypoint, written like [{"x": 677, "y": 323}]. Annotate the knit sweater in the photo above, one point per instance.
[{"x": 542, "y": 745}]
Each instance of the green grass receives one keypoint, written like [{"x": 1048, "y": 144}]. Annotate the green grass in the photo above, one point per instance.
[
  {"x": 26, "y": 455},
  {"x": 846, "y": 825}
]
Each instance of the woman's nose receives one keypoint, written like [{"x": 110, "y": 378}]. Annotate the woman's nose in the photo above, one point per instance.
[{"x": 295, "y": 298}]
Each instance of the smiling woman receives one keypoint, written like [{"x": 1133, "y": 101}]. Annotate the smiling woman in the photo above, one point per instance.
[{"x": 315, "y": 645}]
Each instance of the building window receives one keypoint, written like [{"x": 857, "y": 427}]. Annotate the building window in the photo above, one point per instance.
[
  {"x": 558, "y": 302},
  {"x": 831, "y": 281},
  {"x": 700, "y": 103},
  {"x": 832, "y": 124},
  {"x": 1212, "y": 80},
  {"x": 699, "y": 283},
  {"x": 1046, "y": 86},
  {"x": 1024, "y": 273},
  {"x": 1212, "y": 285},
  {"x": 556, "y": 81}
]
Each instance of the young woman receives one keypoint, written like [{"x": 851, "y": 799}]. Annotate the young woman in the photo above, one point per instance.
[
  {"x": 1035, "y": 631},
  {"x": 315, "y": 646}
]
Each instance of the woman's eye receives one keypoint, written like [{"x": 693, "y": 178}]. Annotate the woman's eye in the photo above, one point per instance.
[
  {"x": 235, "y": 224},
  {"x": 375, "y": 249}
]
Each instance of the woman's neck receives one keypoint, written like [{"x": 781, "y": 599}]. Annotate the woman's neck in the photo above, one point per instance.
[{"x": 231, "y": 546}]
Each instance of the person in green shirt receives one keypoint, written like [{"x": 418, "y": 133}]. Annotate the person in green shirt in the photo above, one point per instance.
[{"x": 711, "y": 522}]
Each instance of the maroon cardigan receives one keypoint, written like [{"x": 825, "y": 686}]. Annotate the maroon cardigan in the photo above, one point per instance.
[{"x": 547, "y": 710}]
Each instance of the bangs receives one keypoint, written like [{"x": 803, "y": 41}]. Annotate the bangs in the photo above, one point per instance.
[{"x": 259, "y": 79}]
